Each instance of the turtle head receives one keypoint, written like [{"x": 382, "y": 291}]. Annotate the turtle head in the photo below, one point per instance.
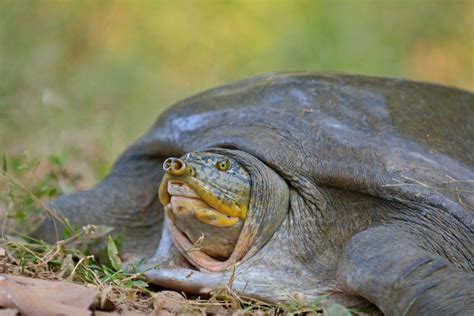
[
  {"x": 206, "y": 198},
  {"x": 221, "y": 206}
]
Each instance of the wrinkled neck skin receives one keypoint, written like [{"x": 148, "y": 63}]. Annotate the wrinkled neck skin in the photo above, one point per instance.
[
  {"x": 279, "y": 254},
  {"x": 347, "y": 168},
  {"x": 301, "y": 245}
]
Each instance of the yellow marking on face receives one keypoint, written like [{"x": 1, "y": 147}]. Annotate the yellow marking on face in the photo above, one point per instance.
[
  {"x": 235, "y": 206},
  {"x": 163, "y": 194},
  {"x": 214, "y": 218}
]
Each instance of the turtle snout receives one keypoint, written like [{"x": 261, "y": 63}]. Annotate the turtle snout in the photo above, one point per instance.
[{"x": 176, "y": 167}]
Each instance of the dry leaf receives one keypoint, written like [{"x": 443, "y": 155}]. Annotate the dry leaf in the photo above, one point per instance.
[
  {"x": 167, "y": 302},
  {"x": 41, "y": 297}
]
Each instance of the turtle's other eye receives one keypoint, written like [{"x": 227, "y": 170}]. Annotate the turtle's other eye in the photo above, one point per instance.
[{"x": 223, "y": 165}]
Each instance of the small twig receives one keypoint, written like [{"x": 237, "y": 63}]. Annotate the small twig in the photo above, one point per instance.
[
  {"x": 426, "y": 186},
  {"x": 197, "y": 245},
  {"x": 78, "y": 264}
]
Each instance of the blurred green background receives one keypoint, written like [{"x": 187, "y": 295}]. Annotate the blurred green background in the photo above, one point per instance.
[{"x": 83, "y": 79}]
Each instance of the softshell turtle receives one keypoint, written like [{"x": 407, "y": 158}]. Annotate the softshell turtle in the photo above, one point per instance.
[{"x": 357, "y": 186}]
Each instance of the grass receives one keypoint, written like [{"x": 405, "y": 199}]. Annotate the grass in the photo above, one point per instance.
[
  {"x": 69, "y": 258},
  {"x": 66, "y": 260},
  {"x": 27, "y": 185}
]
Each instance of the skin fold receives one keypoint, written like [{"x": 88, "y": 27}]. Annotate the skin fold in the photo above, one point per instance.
[{"x": 361, "y": 187}]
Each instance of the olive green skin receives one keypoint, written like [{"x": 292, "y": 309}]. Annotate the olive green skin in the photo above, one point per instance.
[
  {"x": 224, "y": 185},
  {"x": 378, "y": 199},
  {"x": 222, "y": 189}
]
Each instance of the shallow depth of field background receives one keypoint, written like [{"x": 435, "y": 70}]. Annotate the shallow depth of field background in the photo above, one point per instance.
[{"x": 83, "y": 79}]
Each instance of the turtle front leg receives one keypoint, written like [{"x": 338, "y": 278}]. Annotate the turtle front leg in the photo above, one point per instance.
[
  {"x": 126, "y": 200},
  {"x": 385, "y": 266}
]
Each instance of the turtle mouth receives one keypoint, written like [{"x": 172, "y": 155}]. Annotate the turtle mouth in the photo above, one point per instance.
[
  {"x": 195, "y": 226},
  {"x": 182, "y": 198}
]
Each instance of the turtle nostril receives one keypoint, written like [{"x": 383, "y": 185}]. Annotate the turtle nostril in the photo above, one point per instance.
[
  {"x": 167, "y": 164},
  {"x": 174, "y": 166},
  {"x": 178, "y": 165}
]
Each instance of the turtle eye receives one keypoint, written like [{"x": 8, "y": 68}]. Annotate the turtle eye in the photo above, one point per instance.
[{"x": 223, "y": 165}]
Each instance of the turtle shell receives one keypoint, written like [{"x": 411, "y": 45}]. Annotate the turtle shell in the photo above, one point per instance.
[{"x": 394, "y": 139}]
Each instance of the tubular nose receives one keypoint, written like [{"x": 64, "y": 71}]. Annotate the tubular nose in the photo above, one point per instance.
[{"x": 174, "y": 166}]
